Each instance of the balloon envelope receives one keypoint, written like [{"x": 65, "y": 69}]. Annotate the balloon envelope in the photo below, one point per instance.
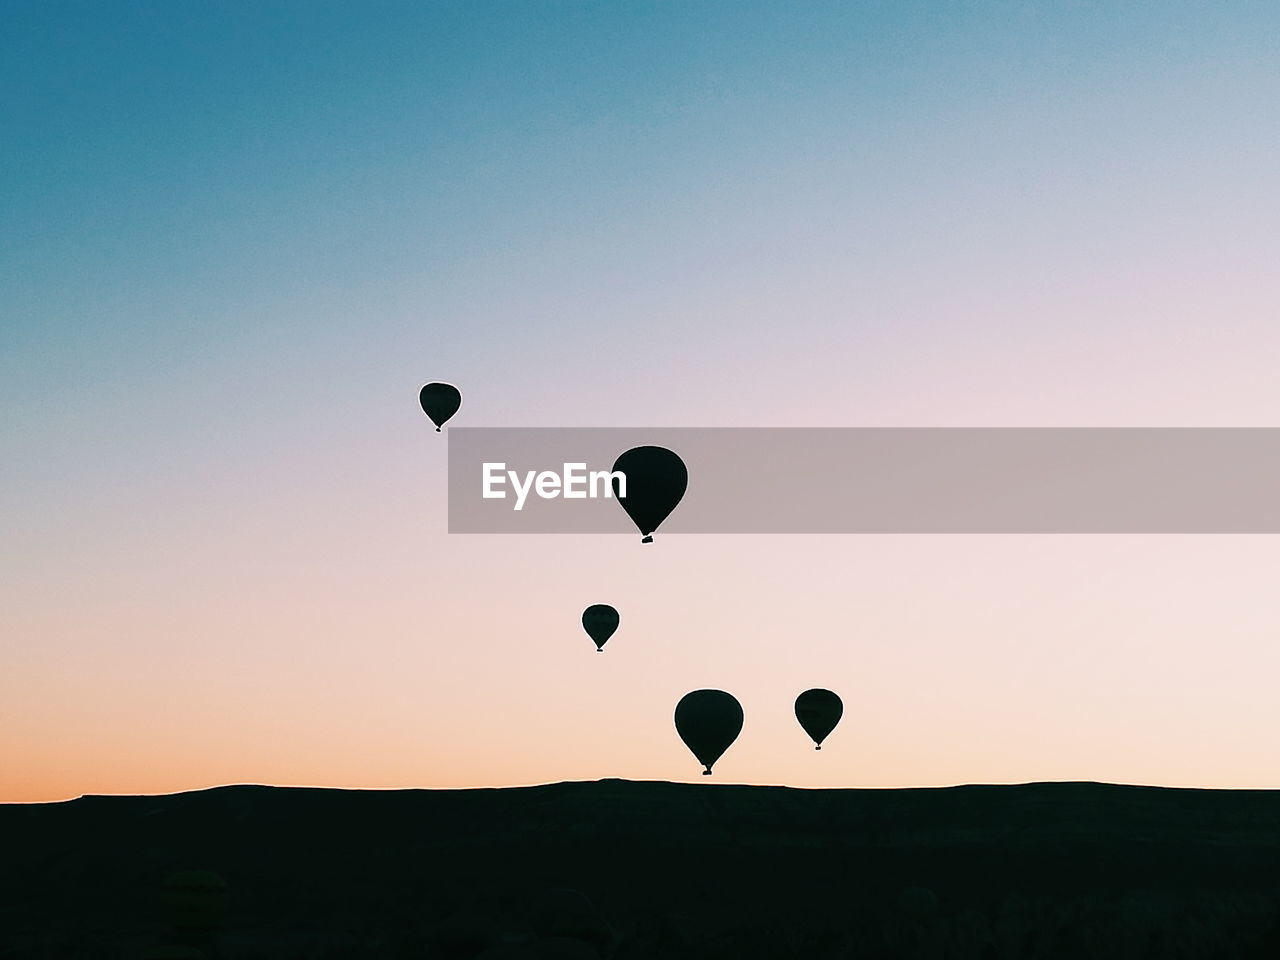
[
  {"x": 818, "y": 711},
  {"x": 600, "y": 621},
  {"x": 708, "y": 722},
  {"x": 440, "y": 401},
  {"x": 656, "y": 481}
]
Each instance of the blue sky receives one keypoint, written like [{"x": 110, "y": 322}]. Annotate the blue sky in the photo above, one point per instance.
[{"x": 169, "y": 170}]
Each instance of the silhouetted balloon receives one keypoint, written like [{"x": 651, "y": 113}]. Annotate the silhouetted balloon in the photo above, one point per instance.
[
  {"x": 600, "y": 621},
  {"x": 440, "y": 401},
  {"x": 656, "y": 482},
  {"x": 708, "y": 722},
  {"x": 818, "y": 712}
]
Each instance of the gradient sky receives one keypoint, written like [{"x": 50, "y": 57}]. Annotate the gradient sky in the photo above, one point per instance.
[{"x": 235, "y": 240}]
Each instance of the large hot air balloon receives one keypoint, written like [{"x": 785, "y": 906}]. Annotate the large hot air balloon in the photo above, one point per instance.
[
  {"x": 600, "y": 621},
  {"x": 708, "y": 722},
  {"x": 818, "y": 711},
  {"x": 440, "y": 401},
  {"x": 656, "y": 482}
]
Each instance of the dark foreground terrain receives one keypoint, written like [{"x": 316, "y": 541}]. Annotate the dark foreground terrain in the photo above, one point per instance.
[{"x": 617, "y": 869}]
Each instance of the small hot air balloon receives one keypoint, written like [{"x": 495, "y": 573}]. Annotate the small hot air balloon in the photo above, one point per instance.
[
  {"x": 656, "y": 482},
  {"x": 708, "y": 722},
  {"x": 600, "y": 621},
  {"x": 440, "y": 401},
  {"x": 818, "y": 711}
]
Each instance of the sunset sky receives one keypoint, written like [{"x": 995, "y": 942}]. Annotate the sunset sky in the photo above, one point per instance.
[{"x": 236, "y": 239}]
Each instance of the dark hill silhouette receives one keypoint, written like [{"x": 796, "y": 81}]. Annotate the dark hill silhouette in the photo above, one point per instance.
[{"x": 638, "y": 869}]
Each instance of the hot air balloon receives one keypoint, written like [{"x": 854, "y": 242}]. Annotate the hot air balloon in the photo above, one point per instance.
[
  {"x": 600, "y": 621},
  {"x": 440, "y": 401},
  {"x": 708, "y": 722},
  {"x": 656, "y": 482},
  {"x": 818, "y": 712}
]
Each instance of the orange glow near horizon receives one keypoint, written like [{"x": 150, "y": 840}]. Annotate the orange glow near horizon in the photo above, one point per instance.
[{"x": 965, "y": 659}]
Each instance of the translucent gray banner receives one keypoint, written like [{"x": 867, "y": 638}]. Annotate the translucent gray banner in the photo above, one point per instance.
[{"x": 886, "y": 480}]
